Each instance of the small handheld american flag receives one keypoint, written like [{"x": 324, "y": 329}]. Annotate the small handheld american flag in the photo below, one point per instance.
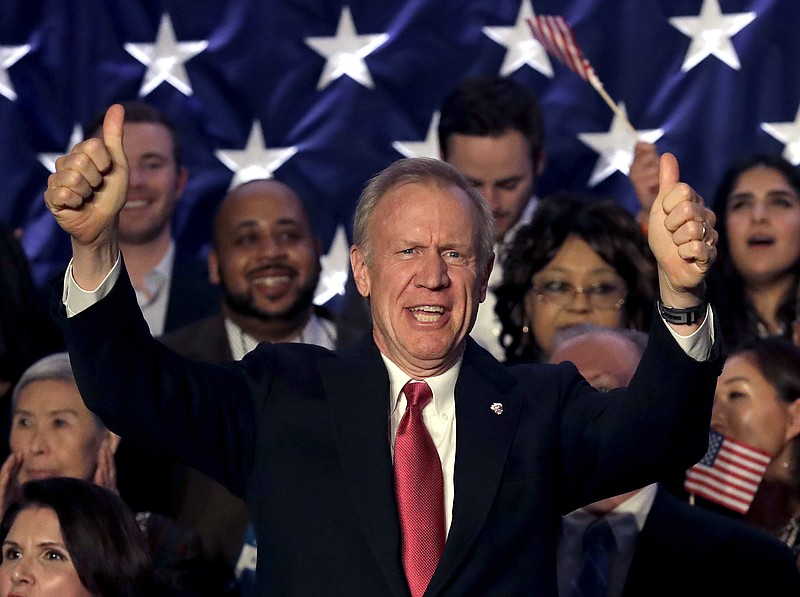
[
  {"x": 555, "y": 34},
  {"x": 729, "y": 474}
]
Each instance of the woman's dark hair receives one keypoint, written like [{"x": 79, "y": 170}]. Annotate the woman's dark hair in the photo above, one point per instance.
[
  {"x": 107, "y": 547},
  {"x": 608, "y": 228},
  {"x": 737, "y": 315},
  {"x": 778, "y": 360}
]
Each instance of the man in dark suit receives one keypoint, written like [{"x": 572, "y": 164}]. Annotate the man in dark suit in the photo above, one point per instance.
[
  {"x": 309, "y": 436},
  {"x": 266, "y": 261},
  {"x": 172, "y": 285},
  {"x": 491, "y": 128},
  {"x": 662, "y": 545}
]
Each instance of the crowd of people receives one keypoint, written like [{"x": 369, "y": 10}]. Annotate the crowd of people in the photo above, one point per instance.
[{"x": 506, "y": 402}]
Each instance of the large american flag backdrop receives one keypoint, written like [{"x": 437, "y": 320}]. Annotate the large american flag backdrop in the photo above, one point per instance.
[{"x": 324, "y": 93}]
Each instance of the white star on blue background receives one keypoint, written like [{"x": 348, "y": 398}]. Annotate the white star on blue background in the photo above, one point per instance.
[
  {"x": 165, "y": 59},
  {"x": 711, "y": 33},
  {"x": 256, "y": 160},
  {"x": 48, "y": 160},
  {"x": 787, "y": 133},
  {"x": 428, "y": 148},
  {"x": 345, "y": 52},
  {"x": 616, "y": 146},
  {"x": 521, "y": 47},
  {"x": 335, "y": 268},
  {"x": 9, "y": 55}
]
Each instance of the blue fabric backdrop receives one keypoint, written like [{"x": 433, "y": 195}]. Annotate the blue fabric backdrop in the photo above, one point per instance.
[{"x": 263, "y": 63}]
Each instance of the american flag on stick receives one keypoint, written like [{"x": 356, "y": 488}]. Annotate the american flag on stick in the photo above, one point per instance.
[
  {"x": 555, "y": 34},
  {"x": 729, "y": 473}
]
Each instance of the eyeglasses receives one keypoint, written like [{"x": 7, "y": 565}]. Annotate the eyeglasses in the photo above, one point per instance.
[{"x": 601, "y": 295}]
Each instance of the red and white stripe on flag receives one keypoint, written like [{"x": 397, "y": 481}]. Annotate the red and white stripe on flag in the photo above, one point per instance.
[
  {"x": 556, "y": 36},
  {"x": 729, "y": 474}
]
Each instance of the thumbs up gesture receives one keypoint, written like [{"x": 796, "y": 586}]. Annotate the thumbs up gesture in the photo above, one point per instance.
[
  {"x": 86, "y": 193},
  {"x": 682, "y": 237}
]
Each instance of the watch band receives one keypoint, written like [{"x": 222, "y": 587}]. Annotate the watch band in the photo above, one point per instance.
[{"x": 686, "y": 316}]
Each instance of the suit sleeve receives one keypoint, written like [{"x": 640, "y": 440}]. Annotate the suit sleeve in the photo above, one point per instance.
[{"x": 202, "y": 413}]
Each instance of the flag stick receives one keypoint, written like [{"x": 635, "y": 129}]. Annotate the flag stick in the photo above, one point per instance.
[{"x": 595, "y": 81}]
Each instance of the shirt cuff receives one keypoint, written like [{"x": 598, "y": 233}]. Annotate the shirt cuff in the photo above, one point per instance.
[
  {"x": 76, "y": 299},
  {"x": 698, "y": 344}
]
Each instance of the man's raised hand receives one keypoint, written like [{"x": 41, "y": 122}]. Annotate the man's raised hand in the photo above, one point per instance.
[
  {"x": 682, "y": 237},
  {"x": 86, "y": 193}
]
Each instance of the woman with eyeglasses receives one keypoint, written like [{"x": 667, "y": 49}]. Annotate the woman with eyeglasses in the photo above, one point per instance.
[{"x": 581, "y": 260}]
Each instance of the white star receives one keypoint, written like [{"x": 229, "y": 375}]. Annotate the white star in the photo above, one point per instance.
[
  {"x": 255, "y": 161},
  {"x": 429, "y": 148},
  {"x": 711, "y": 33},
  {"x": 48, "y": 160},
  {"x": 9, "y": 55},
  {"x": 335, "y": 268},
  {"x": 165, "y": 59},
  {"x": 520, "y": 44},
  {"x": 616, "y": 147},
  {"x": 787, "y": 133},
  {"x": 345, "y": 52}
]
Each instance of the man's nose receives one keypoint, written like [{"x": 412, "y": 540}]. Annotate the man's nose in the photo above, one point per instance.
[
  {"x": 491, "y": 194},
  {"x": 432, "y": 272}
]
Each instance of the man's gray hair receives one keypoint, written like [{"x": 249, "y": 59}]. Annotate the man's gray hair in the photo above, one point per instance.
[{"x": 427, "y": 172}]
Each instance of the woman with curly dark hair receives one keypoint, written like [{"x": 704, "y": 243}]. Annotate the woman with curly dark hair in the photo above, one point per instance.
[
  {"x": 754, "y": 282},
  {"x": 580, "y": 260}
]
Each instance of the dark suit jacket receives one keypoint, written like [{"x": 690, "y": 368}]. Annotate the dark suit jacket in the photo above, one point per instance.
[
  {"x": 687, "y": 550},
  {"x": 191, "y": 296},
  {"x": 303, "y": 434},
  {"x": 145, "y": 479},
  {"x": 198, "y": 501}
]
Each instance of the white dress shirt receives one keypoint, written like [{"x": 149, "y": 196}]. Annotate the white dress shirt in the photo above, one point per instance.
[
  {"x": 153, "y": 302},
  {"x": 626, "y": 522},
  {"x": 317, "y": 330}
]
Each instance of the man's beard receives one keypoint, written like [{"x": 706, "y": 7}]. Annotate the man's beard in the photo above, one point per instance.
[{"x": 244, "y": 304}]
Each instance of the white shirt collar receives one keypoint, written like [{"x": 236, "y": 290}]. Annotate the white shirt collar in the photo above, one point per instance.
[{"x": 443, "y": 386}]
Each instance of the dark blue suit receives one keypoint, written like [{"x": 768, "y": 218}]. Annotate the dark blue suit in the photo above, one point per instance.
[
  {"x": 688, "y": 550},
  {"x": 303, "y": 434}
]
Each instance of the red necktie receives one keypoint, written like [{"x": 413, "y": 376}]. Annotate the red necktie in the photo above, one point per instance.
[{"x": 419, "y": 489}]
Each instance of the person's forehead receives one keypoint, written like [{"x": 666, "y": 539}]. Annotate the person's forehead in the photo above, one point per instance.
[
  {"x": 147, "y": 137},
  {"x": 49, "y": 394},
  {"x": 598, "y": 353},
  {"x": 433, "y": 191},
  {"x": 266, "y": 203},
  {"x": 491, "y": 157}
]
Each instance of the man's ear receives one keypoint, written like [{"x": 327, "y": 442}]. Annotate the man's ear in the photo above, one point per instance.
[
  {"x": 180, "y": 182},
  {"x": 793, "y": 428},
  {"x": 358, "y": 263},
  {"x": 487, "y": 272},
  {"x": 213, "y": 267},
  {"x": 541, "y": 162},
  {"x": 111, "y": 440},
  {"x": 318, "y": 251}
]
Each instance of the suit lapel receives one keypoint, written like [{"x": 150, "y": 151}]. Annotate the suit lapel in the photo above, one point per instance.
[
  {"x": 483, "y": 439},
  {"x": 357, "y": 386}
]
